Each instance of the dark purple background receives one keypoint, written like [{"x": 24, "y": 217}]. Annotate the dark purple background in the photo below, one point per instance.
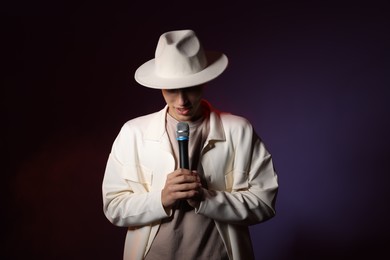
[{"x": 312, "y": 78}]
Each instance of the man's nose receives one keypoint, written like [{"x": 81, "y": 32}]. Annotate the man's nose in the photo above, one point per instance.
[{"x": 182, "y": 97}]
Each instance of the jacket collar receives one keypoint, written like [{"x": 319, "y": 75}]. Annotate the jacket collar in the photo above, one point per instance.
[
  {"x": 156, "y": 129},
  {"x": 217, "y": 132}
]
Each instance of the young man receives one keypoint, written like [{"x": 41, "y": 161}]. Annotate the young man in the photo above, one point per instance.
[{"x": 198, "y": 213}]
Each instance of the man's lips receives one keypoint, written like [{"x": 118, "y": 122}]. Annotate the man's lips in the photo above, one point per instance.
[{"x": 183, "y": 111}]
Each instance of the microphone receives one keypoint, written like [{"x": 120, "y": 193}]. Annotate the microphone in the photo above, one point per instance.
[{"x": 182, "y": 137}]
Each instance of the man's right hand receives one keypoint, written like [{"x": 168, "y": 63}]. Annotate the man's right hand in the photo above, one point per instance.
[{"x": 181, "y": 184}]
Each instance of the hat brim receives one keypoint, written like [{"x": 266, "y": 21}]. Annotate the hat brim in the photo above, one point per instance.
[{"x": 146, "y": 76}]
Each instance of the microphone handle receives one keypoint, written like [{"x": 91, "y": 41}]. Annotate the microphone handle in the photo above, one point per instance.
[{"x": 183, "y": 154}]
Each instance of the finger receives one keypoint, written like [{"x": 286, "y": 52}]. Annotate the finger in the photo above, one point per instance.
[
  {"x": 183, "y": 187},
  {"x": 179, "y": 179},
  {"x": 171, "y": 193},
  {"x": 177, "y": 173},
  {"x": 182, "y": 171},
  {"x": 183, "y": 195}
]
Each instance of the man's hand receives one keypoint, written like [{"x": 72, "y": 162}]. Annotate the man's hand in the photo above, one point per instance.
[{"x": 181, "y": 184}]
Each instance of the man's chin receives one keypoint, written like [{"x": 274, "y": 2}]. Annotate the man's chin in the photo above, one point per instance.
[{"x": 184, "y": 118}]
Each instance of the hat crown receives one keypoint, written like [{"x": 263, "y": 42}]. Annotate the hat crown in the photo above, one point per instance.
[{"x": 179, "y": 54}]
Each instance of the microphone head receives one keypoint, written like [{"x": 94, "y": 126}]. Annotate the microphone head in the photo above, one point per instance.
[{"x": 182, "y": 131}]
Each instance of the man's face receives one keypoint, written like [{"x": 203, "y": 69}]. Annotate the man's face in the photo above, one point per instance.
[{"x": 184, "y": 104}]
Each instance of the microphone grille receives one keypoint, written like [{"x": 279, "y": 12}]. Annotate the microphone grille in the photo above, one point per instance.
[{"x": 182, "y": 131}]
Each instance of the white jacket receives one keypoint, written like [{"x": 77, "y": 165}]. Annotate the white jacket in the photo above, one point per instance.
[{"x": 242, "y": 183}]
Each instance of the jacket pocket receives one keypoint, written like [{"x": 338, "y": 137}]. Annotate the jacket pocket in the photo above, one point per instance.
[
  {"x": 235, "y": 181},
  {"x": 138, "y": 177}
]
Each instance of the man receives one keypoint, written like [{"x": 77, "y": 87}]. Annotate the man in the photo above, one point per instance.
[{"x": 197, "y": 213}]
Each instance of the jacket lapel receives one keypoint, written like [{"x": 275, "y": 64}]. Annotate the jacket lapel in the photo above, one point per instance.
[{"x": 158, "y": 148}]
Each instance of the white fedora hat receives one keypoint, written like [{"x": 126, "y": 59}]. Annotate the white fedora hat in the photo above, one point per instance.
[{"x": 180, "y": 62}]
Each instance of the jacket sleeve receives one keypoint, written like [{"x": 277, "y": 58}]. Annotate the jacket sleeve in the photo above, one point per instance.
[
  {"x": 251, "y": 186},
  {"x": 127, "y": 200}
]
